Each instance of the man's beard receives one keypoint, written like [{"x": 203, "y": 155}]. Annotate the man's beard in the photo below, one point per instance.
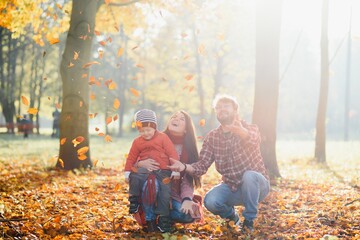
[{"x": 227, "y": 120}]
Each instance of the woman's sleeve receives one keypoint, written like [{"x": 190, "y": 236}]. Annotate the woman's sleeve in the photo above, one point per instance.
[{"x": 186, "y": 188}]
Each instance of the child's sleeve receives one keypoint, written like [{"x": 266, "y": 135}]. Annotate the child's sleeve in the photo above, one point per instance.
[{"x": 132, "y": 156}]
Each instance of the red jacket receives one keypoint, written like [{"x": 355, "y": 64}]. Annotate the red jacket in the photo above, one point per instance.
[{"x": 159, "y": 147}]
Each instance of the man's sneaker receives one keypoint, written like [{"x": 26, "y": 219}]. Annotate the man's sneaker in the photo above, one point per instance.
[
  {"x": 164, "y": 224},
  {"x": 151, "y": 226},
  {"x": 248, "y": 226},
  {"x": 234, "y": 221},
  {"x": 134, "y": 204}
]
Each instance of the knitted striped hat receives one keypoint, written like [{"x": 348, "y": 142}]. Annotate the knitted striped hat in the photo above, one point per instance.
[{"x": 146, "y": 117}]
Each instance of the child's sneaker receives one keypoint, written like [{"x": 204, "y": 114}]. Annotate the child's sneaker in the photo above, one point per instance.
[
  {"x": 134, "y": 204},
  {"x": 151, "y": 226},
  {"x": 164, "y": 224}
]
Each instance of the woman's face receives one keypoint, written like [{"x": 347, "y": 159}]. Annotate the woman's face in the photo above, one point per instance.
[{"x": 177, "y": 124}]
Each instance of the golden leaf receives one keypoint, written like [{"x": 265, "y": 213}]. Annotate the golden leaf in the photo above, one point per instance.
[
  {"x": 81, "y": 103},
  {"x": 120, "y": 52},
  {"x": 76, "y": 55},
  {"x": 92, "y": 96},
  {"x": 108, "y": 138},
  {"x": 117, "y": 187},
  {"x": 70, "y": 65},
  {"x": 108, "y": 120},
  {"x": 54, "y": 40},
  {"x": 138, "y": 124},
  {"x": 59, "y": 6},
  {"x": 134, "y": 47},
  {"x": 202, "y": 122},
  {"x": 82, "y": 151},
  {"x": 61, "y": 162},
  {"x": 86, "y": 65},
  {"x": 33, "y": 111},
  {"x": 134, "y": 92},
  {"x": 116, "y": 103},
  {"x": 116, "y": 117},
  {"x": 101, "y": 134},
  {"x": 112, "y": 86},
  {"x": 92, "y": 80},
  {"x": 166, "y": 180},
  {"x": 62, "y": 141},
  {"x": 25, "y": 101},
  {"x": 95, "y": 162}
]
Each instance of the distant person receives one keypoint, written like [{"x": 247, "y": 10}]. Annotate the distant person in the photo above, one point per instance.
[
  {"x": 25, "y": 125},
  {"x": 56, "y": 123},
  {"x": 235, "y": 148},
  {"x": 155, "y": 145}
]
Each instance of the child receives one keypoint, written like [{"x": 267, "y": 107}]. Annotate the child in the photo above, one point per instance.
[{"x": 158, "y": 146}]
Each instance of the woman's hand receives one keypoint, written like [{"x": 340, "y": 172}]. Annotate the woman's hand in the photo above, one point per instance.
[
  {"x": 149, "y": 164},
  {"x": 187, "y": 207}
]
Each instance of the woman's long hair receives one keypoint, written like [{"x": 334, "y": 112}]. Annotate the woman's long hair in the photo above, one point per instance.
[{"x": 189, "y": 143}]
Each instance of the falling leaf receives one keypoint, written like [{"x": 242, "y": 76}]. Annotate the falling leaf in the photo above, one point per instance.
[
  {"x": 112, "y": 86},
  {"x": 102, "y": 43},
  {"x": 134, "y": 92},
  {"x": 62, "y": 141},
  {"x": 189, "y": 77},
  {"x": 54, "y": 40},
  {"x": 49, "y": 98},
  {"x": 81, "y": 103},
  {"x": 76, "y": 55},
  {"x": 101, "y": 53},
  {"x": 202, "y": 122},
  {"x": 116, "y": 103},
  {"x": 82, "y": 150},
  {"x": 59, "y": 6},
  {"x": 120, "y": 52},
  {"x": 92, "y": 80},
  {"x": 108, "y": 138},
  {"x": 76, "y": 141},
  {"x": 109, "y": 39},
  {"x": 84, "y": 75},
  {"x": 97, "y": 129},
  {"x": 86, "y": 65},
  {"x": 108, "y": 120},
  {"x": 92, "y": 115},
  {"x": 97, "y": 33},
  {"x": 138, "y": 124},
  {"x": 116, "y": 28},
  {"x": 133, "y": 125},
  {"x": 166, "y": 180},
  {"x": 58, "y": 105},
  {"x": 115, "y": 117},
  {"x": 33, "y": 111},
  {"x": 61, "y": 162},
  {"x": 101, "y": 134},
  {"x": 25, "y": 101},
  {"x": 82, "y": 157},
  {"x": 92, "y": 96},
  {"x": 95, "y": 162},
  {"x": 201, "y": 49},
  {"x": 70, "y": 65},
  {"x": 44, "y": 54},
  {"x": 139, "y": 66}
]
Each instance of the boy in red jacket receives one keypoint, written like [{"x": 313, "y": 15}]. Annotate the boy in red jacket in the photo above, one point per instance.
[{"x": 158, "y": 146}]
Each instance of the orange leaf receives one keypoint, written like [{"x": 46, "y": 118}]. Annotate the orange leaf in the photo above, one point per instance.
[
  {"x": 102, "y": 43},
  {"x": 183, "y": 35},
  {"x": 61, "y": 162},
  {"x": 82, "y": 150},
  {"x": 92, "y": 115},
  {"x": 84, "y": 75},
  {"x": 189, "y": 77},
  {"x": 92, "y": 80},
  {"x": 82, "y": 157},
  {"x": 101, "y": 134},
  {"x": 92, "y": 96},
  {"x": 95, "y": 162},
  {"x": 134, "y": 92},
  {"x": 108, "y": 138},
  {"x": 117, "y": 187},
  {"x": 109, "y": 39},
  {"x": 166, "y": 180},
  {"x": 97, "y": 33},
  {"x": 116, "y": 103},
  {"x": 70, "y": 65},
  {"x": 107, "y": 1},
  {"x": 59, "y": 6},
  {"x": 202, "y": 122},
  {"x": 138, "y": 124},
  {"x": 54, "y": 40},
  {"x": 81, "y": 103},
  {"x": 80, "y": 139},
  {"x": 120, "y": 52},
  {"x": 97, "y": 129},
  {"x": 191, "y": 88},
  {"x": 25, "y": 101},
  {"x": 115, "y": 117},
  {"x": 101, "y": 53},
  {"x": 108, "y": 120},
  {"x": 33, "y": 111},
  {"x": 112, "y": 86},
  {"x": 86, "y": 65},
  {"x": 62, "y": 141},
  {"x": 58, "y": 106},
  {"x": 139, "y": 66}
]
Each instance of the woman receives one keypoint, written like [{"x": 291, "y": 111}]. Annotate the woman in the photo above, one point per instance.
[{"x": 181, "y": 131}]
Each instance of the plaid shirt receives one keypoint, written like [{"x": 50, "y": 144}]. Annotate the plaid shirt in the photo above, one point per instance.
[{"x": 232, "y": 155}]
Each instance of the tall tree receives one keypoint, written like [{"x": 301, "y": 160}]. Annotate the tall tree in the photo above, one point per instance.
[
  {"x": 320, "y": 138},
  {"x": 74, "y": 120},
  {"x": 268, "y": 25}
]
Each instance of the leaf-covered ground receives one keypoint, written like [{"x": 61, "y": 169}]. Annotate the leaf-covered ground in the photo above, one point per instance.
[{"x": 309, "y": 202}]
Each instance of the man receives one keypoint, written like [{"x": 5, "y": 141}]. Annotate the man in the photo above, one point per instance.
[{"x": 235, "y": 148}]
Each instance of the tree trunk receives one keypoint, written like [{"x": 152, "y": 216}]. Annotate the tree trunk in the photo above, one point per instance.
[
  {"x": 320, "y": 139},
  {"x": 268, "y": 25},
  {"x": 74, "y": 119}
]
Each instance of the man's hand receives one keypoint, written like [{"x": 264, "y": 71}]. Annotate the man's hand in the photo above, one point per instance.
[
  {"x": 176, "y": 165},
  {"x": 237, "y": 128}
]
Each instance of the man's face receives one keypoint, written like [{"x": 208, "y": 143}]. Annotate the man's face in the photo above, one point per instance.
[{"x": 225, "y": 112}]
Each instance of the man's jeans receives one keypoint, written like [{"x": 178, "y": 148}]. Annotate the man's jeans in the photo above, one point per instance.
[{"x": 220, "y": 200}]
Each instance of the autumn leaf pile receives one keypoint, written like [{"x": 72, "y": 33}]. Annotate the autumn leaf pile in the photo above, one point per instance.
[{"x": 38, "y": 203}]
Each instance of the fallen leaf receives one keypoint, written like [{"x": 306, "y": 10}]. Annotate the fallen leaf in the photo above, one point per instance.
[
  {"x": 61, "y": 162},
  {"x": 62, "y": 141},
  {"x": 82, "y": 157},
  {"x": 54, "y": 40},
  {"x": 32, "y": 111}
]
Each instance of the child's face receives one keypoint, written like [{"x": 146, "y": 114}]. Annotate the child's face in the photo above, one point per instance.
[{"x": 147, "y": 132}]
